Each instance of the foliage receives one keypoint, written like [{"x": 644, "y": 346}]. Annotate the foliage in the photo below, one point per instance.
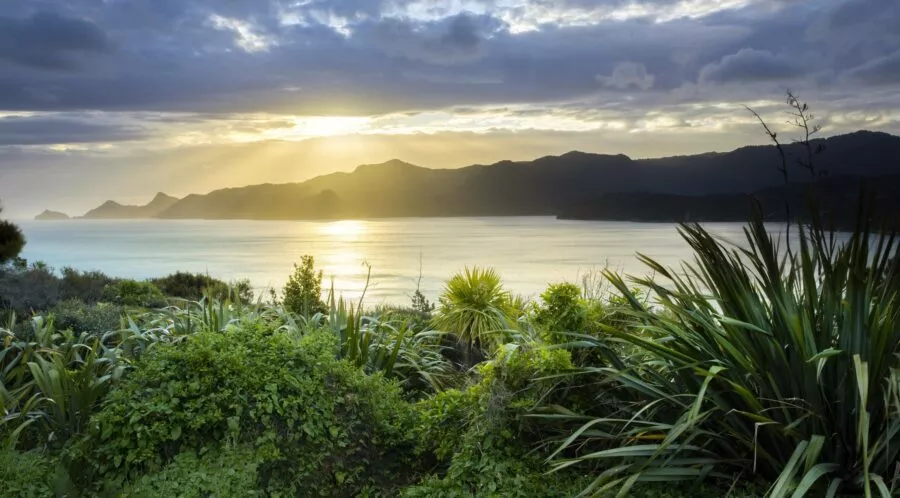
[
  {"x": 421, "y": 304},
  {"x": 29, "y": 289},
  {"x": 480, "y": 437},
  {"x": 12, "y": 241},
  {"x": 388, "y": 344},
  {"x": 317, "y": 424},
  {"x": 195, "y": 286},
  {"x": 230, "y": 473},
  {"x": 26, "y": 475},
  {"x": 476, "y": 309},
  {"x": 303, "y": 290},
  {"x": 50, "y": 385},
  {"x": 84, "y": 286},
  {"x": 80, "y": 317},
  {"x": 134, "y": 293},
  {"x": 760, "y": 362},
  {"x": 563, "y": 309}
]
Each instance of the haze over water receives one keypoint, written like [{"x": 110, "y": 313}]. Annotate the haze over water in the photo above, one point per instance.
[{"x": 529, "y": 252}]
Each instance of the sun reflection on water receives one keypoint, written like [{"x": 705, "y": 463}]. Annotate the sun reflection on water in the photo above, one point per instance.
[
  {"x": 344, "y": 229},
  {"x": 341, "y": 260}
]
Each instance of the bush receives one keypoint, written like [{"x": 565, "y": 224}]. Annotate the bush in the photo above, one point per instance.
[
  {"x": 481, "y": 439},
  {"x": 79, "y": 317},
  {"x": 230, "y": 473},
  {"x": 194, "y": 286},
  {"x": 561, "y": 310},
  {"x": 12, "y": 241},
  {"x": 303, "y": 290},
  {"x": 317, "y": 424},
  {"x": 134, "y": 293},
  {"x": 85, "y": 286},
  {"x": 27, "y": 475},
  {"x": 28, "y": 290}
]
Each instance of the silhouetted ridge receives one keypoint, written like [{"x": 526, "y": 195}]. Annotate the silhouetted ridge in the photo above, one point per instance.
[
  {"x": 113, "y": 210},
  {"x": 549, "y": 185}
]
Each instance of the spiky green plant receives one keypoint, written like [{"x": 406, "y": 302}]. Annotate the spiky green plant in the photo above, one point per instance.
[
  {"x": 477, "y": 309},
  {"x": 51, "y": 384},
  {"x": 71, "y": 390},
  {"x": 759, "y": 364}
]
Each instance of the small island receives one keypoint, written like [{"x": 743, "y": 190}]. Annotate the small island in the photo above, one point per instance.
[{"x": 48, "y": 215}]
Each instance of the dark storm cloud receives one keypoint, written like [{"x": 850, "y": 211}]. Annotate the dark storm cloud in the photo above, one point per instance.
[
  {"x": 883, "y": 71},
  {"x": 453, "y": 40},
  {"x": 346, "y": 56},
  {"x": 750, "y": 65},
  {"x": 48, "y": 40},
  {"x": 46, "y": 130}
]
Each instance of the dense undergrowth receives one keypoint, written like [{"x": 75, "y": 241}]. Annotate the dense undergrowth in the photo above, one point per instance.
[{"x": 756, "y": 370}]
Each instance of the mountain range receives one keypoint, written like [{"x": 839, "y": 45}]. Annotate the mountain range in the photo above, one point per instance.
[
  {"x": 112, "y": 210},
  {"x": 574, "y": 185}
]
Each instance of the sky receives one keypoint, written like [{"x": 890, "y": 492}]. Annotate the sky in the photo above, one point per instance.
[{"x": 120, "y": 99}]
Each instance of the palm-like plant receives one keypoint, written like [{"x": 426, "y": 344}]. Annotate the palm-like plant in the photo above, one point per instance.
[
  {"x": 760, "y": 363},
  {"x": 476, "y": 309}
]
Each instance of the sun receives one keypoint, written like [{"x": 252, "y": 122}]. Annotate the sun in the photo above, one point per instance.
[{"x": 321, "y": 126}]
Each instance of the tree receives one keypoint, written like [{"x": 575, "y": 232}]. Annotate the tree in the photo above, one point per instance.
[
  {"x": 303, "y": 291},
  {"x": 11, "y": 241},
  {"x": 477, "y": 310}
]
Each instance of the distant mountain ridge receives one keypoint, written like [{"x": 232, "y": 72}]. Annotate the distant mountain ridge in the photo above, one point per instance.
[
  {"x": 48, "y": 215},
  {"x": 112, "y": 210},
  {"x": 550, "y": 185},
  {"x": 836, "y": 200}
]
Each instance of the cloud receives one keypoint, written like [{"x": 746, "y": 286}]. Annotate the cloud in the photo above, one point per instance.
[
  {"x": 49, "y": 40},
  {"x": 881, "y": 71},
  {"x": 453, "y": 40},
  {"x": 749, "y": 65},
  {"x": 628, "y": 74},
  {"x": 148, "y": 75},
  {"x": 52, "y": 130}
]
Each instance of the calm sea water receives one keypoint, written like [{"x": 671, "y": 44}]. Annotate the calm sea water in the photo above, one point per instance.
[{"x": 529, "y": 252}]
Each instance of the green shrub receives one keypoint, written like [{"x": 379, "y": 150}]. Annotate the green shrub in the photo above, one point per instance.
[
  {"x": 12, "y": 241},
  {"x": 230, "y": 473},
  {"x": 303, "y": 290},
  {"x": 562, "y": 309},
  {"x": 85, "y": 286},
  {"x": 317, "y": 424},
  {"x": 134, "y": 293},
  {"x": 194, "y": 286},
  {"x": 79, "y": 317},
  {"x": 481, "y": 439},
  {"x": 27, "y": 475},
  {"x": 28, "y": 290}
]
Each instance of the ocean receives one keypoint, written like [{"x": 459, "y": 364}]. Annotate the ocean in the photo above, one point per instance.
[{"x": 529, "y": 252}]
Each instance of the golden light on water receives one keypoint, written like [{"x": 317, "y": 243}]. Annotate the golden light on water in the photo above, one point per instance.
[
  {"x": 343, "y": 230},
  {"x": 344, "y": 266}
]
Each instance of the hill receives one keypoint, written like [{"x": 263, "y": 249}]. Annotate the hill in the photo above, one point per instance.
[
  {"x": 111, "y": 210},
  {"x": 546, "y": 186},
  {"x": 48, "y": 215},
  {"x": 836, "y": 197}
]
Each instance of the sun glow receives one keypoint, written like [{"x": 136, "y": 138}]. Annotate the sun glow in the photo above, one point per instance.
[
  {"x": 320, "y": 126},
  {"x": 344, "y": 229}
]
